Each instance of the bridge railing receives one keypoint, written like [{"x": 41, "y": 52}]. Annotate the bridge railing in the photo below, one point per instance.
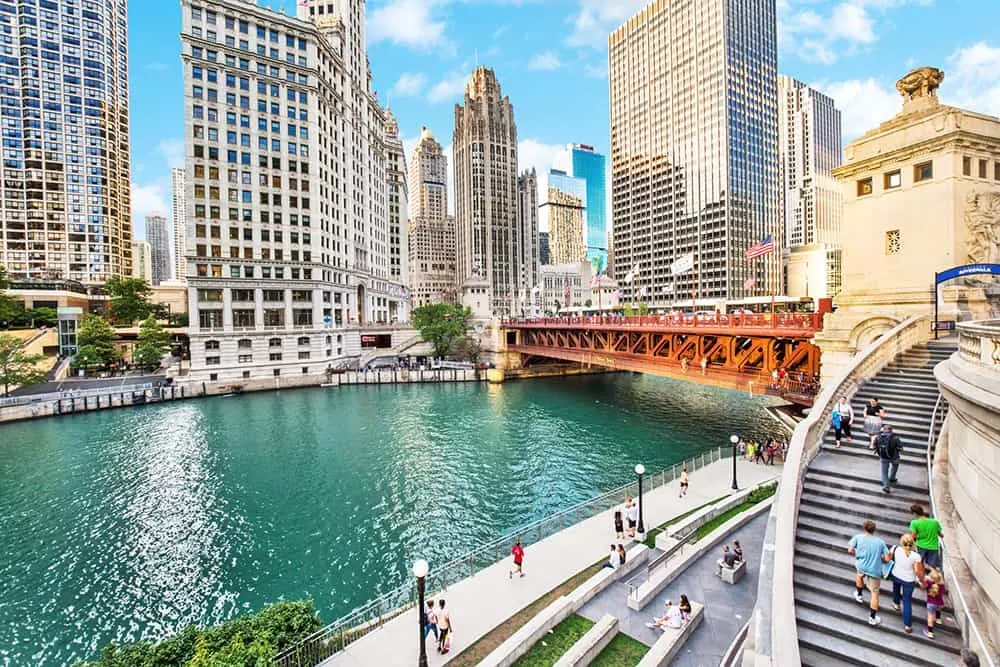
[
  {"x": 802, "y": 321},
  {"x": 374, "y": 614}
]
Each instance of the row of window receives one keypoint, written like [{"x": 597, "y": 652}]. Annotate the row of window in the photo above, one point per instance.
[
  {"x": 248, "y": 358},
  {"x": 983, "y": 168},
  {"x": 214, "y": 295},
  {"x": 214, "y": 377},
  {"x": 894, "y": 179},
  {"x": 272, "y": 343}
]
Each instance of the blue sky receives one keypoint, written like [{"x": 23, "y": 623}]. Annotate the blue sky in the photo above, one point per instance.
[{"x": 551, "y": 59}]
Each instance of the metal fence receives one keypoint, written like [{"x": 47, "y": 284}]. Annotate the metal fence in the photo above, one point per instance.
[
  {"x": 28, "y": 399},
  {"x": 333, "y": 638}
]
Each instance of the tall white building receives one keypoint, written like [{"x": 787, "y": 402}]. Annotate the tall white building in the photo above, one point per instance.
[
  {"x": 159, "y": 243},
  {"x": 142, "y": 261},
  {"x": 398, "y": 203},
  {"x": 527, "y": 239},
  {"x": 65, "y": 208},
  {"x": 179, "y": 222},
  {"x": 432, "y": 230},
  {"x": 490, "y": 237},
  {"x": 287, "y": 202},
  {"x": 810, "y": 149}
]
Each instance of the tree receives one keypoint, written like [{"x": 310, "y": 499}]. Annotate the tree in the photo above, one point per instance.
[
  {"x": 16, "y": 367},
  {"x": 96, "y": 344},
  {"x": 442, "y": 325},
  {"x": 588, "y": 303},
  {"x": 129, "y": 299},
  {"x": 9, "y": 306},
  {"x": 153, "y": 344}
]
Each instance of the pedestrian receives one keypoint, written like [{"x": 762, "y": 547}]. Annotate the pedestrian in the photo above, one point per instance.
[
  {"x": 704, "y": 364},
  {"x": 869, "y": 554},
  {"x": 889, "y": 447},
  {"x": 619, "y": 525},
  {"x": 684, "y": 364},
  {"x": 906, "y": 572},
  {"x": 621, "y": 555},
  {"x": 517, "y": 551},
  {"x": 612, "y": 562},
  {"x": 444, "y": 629},
  {"x": 758, "y": 453},
  {"x": 738, "y": 549},
  {"x": 728, "y": 560},
  {"x": 684, "y": 483},
  {"x": 934, "y": 585},
  {"x": 685, "y": 606},
  {"x": 927, "y": 534},
  {"x": 874, "y": 412},
  {"x": 430, "y": 620},
  {"x": 632, "y": 513},
  {"x": 846, "y": 414}
]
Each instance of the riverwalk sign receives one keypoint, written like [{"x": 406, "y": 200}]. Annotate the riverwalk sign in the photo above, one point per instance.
[{"x": 959, "y": 272}]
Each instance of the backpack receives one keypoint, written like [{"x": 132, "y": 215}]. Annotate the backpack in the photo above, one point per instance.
[{"x": 888, "y": 446}]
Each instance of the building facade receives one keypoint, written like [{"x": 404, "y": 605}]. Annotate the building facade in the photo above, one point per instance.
[
  {"x": 432, "y": 230},
  {"x": 395, "y": 172},
  {"x": 582, "y": 161},
  {"x": 565, "y": 207},
  {"x": 810, "y": 149},
  {"x": 286, "y": 189},
  {"x": 65, "y": 208},
  {"x": 527, "y": 236},
  {"x": 142, "y": 261},
  {"x": 178, "y": 211},
  {"x": 489, "y": 239},
  {"x": 573, "y": 288},
  {"x": 543, "y": 248},
  {"x": 159, "y": 243},
  {"x": 690, "y": 175}
]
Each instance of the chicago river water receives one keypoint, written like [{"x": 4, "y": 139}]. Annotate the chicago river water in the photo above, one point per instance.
[{"x": 131, "y": 524}]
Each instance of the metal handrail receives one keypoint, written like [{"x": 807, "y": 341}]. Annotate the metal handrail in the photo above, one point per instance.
[
  {"x": 67, "y": 394},
  {"x": 953, "y": 584},
  {"x": 323, "y": 643}
]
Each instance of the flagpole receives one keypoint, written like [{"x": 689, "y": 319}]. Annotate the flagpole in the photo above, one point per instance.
[{"x": 774, "y": 278}]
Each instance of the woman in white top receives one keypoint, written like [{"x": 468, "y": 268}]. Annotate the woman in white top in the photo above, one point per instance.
[
  {"x": 907, "y": 572},
  {"x": 672, "y": 619},
  {"x": 846, "y": 417}
]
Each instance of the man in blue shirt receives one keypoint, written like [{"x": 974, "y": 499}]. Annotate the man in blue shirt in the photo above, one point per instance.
[{"x": 869, "y": 554}]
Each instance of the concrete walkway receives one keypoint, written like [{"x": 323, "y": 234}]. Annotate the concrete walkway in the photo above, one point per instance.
[
  {"x": 727, "y": 607},
  {"x": 482, "y": 602}
]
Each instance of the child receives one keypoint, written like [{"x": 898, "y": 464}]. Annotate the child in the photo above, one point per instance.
[
  {"x": 685, "y": 607},
  {"x": 934, "y": 584}
]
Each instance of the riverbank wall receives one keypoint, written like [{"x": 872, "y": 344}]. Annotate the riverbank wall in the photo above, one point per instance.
[{"x": 75, "y": 403}]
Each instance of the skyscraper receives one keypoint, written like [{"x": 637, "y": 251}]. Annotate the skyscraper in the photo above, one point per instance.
[
  {"x": 159, "y": 245},
  {"x": 432, "y": 230},
  {"x": 565, "y": 206},
  {"x": 65, "y": 209},
  {"x": 809, "y": 145},
  {"x": 526, "y": 235},
  {"x": 544, "y": 257},
  {"x": 582, "y": 161},
  {"x": 489, "y": 238},
  {"x": 142, "y": 261},
  {"x": 288, "y": 238},
  {"x": 395, "y": 172},
  {"x": 694, "y": 147},
  {"x": 178, "y": 211}
]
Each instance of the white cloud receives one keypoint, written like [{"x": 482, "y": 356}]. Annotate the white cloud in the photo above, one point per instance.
[
  {"x": 972, "y": 80},
  {"x": 544, "y": 61},
  {"x": 409, "y": 84},
  {"x": 157, "y": 67},
  {"x": 448, "y": 88},
  {"x": 596, "y": 19},
  {"x": 537, "y": 155},
  {"x": 409, "y": 23},
  {"x": 863, "y": 104},
  {"x": 596, "y": 71},
  {"x": 172, "y": 151},
  {"x": 147, "y": 198}
]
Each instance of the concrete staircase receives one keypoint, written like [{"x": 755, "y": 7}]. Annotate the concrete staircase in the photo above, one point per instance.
[{"x": 841, "y": 489}]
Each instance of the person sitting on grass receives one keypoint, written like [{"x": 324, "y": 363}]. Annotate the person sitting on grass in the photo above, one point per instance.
[{"x": 672, "y": 619}]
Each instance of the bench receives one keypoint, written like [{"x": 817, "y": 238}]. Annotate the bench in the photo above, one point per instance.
[
  {"x": 590, "y": 645},
  {"x": 731, "y": 575},
  {"x": 672, "y": 640},
  {"x": 635, "y": 557}
]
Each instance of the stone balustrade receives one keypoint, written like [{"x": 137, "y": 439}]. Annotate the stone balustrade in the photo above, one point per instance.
[{"x": 979, "y": 343}]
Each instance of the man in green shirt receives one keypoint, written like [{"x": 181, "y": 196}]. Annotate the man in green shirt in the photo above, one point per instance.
[{"x": 927, "y": 532}]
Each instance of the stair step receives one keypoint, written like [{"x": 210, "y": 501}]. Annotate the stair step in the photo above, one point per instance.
[
  {"x": 892, "y": 643},
  {"x": 858, "y": 506},
  {"x": 810, "y": 657},
  {"x": 922, "y": 377},
  {"x": 906, "y": 459},
  {"x": 898, "y": 393},
  {"x": 819, "y": 483},
  {"x": 843, "y": 527}
]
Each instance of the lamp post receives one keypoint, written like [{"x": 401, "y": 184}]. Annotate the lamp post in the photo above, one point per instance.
[
  {"x": 735, "y": 439},
  {"x": 640, "y": 470},
  {"x": 420, "y": 572}
]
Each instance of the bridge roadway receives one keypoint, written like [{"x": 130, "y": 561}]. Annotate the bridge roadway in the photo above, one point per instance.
[{"x": 740, "y": 351}]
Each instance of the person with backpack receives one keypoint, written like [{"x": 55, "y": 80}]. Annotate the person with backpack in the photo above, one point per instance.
[{"x": 889, "y": 448}]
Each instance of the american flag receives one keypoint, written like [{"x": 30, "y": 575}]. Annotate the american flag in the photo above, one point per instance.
[{"x": 760, "y": 248}]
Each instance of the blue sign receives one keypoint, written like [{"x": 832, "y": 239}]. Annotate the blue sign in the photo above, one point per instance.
[{"x": 967, "y": 270}]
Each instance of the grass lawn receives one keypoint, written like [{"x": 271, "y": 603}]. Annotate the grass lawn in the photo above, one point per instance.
[
  {"x": 651, "y": 534},
  {"x": 552, "y": 646},
  {"x": 623, "y": 651},
  {"x": 757, "y": 496}
]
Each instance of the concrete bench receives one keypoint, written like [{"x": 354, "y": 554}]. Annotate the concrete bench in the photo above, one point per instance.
[
  {"x": 529, "y": 634},
  {"x": 672, "y": 640},
  {"x": 590, "y": 645},
  {"x": 635, "y": 557},
  {"x": 731, "y": 575}
]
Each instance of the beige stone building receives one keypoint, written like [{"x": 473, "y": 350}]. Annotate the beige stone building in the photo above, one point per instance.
[
  {"x": 431, "y": 275},
  {"x": 921, "y": 195},
  {"x": 142, "y": 261}
]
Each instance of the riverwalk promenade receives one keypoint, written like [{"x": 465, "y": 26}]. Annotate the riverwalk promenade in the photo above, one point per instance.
[{"x": 482, "y": 602}]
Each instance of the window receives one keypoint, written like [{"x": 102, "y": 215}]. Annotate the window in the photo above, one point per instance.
[
  {"x": 211, "y": 345},
  {"x": 893, "y": 243},
  {"x": 277, "y": 372},
  {"x": 982, "y": 168},
  {"x": 996, "y": 171},
  {"x": 274, "y": 356},
  {"x": 244, "y": 344},
  {"x": 213, "y": 377},
  {"x": 274, "y": 342},
  {"x": 923, "y": 172},
  {"x": 246, "y": 358},
  {"x": 966, "y": 166},
  {"x": 304, "y": 354},
  {"x": 212, "y": 361},
  {"x": 892, "y": 180},
  {"x": 864, "y": 187},
  {"x": 303, "y": 340},
  {"x": 246, "y": 375}
]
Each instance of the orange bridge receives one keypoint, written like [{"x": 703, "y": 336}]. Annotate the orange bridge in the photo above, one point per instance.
[{"x": 758, "y": 353}]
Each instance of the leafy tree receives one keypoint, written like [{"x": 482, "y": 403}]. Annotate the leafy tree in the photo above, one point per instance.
[
  {"x": 16, "y": 367},
  {"x": 628, "y": 310},
  {"x": 96, "y": 341},
  {"x": 9, "y": 306},
  {"x": 588, "y": 303},
  {"x": 442, "y": 325},
  {"x": 153, "y": 344},
  {"x": 129, "y": 299},
  {"x": 643, "y": 308}
]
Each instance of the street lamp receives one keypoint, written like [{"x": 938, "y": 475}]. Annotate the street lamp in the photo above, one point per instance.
[
  {"x": 420, "y": 572},
  {"x": 640, "y": 470},
  {"x": 735, "y": 439}
]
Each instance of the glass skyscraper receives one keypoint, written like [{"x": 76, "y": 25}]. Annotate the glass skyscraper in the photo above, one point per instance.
[
  {"x": 582, "y": 161},
  {"x": 65, "y": 208},
  {"x": 694, "y": 148}
]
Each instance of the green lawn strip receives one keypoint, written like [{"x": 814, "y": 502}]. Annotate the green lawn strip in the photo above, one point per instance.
[
  {"x": 552, "y": 646},
  {"x": 758, "y": 495},
  {"x": 651, "y": 534},
  {"x": 623, "y": 651}
]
